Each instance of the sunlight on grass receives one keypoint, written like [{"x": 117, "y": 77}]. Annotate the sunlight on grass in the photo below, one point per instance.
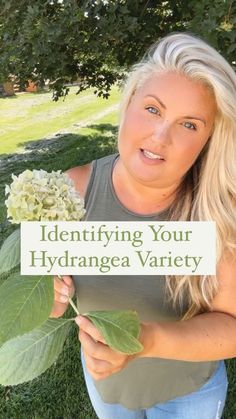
[{"x": 33, "y": 116}]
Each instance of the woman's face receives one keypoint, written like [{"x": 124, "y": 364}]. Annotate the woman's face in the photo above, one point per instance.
[{"x": 167, "y": 123}]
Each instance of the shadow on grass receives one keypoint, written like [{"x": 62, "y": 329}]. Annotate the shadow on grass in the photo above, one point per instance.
[
  {"x": 8, "y": 97},
  {"x": 37, "y": 151}
]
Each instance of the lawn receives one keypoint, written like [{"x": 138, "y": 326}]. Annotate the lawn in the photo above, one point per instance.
[
  {"x": 59, "y": 135},
  {"x": 60, "y": 392},
  {"x": 34, "y": 116}
]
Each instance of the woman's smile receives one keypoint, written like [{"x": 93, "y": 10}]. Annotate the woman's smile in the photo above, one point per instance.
[{"x": 148, "y": 157}]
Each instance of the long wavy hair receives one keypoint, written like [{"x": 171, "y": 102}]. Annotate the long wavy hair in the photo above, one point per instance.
[{"x": 208, "y": 190}]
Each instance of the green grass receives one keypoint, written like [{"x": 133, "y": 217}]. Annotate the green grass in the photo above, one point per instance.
[
  {"x": 60, "y": 393},
  {"x": 33, "y": 116}
]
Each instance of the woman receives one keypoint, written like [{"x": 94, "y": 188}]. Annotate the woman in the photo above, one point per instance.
[{"x": 176, "y": 161}]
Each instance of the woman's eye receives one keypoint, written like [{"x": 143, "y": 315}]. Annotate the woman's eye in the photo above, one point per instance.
[
  {"x": 151, "y": 109},
  {"x": 190, "y": 125}
]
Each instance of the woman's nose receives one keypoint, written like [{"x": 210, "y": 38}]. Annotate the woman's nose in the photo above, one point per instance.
[{"x": 161, "y": 133}]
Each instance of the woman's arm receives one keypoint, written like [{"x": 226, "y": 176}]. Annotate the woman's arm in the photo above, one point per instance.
[
  {"x": 80, "y": 176},
  {"x": 208, "y": 336}
]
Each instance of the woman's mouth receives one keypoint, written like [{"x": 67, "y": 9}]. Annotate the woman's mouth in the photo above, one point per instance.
[{"x": 152, "y": 157}]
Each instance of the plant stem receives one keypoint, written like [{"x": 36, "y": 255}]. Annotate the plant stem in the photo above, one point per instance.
[
  {"x": 74, "y": 306},
  {"x": 71, "y": 301}
]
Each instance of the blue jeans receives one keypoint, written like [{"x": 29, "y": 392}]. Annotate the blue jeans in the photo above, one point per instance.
[{"x": 206, "y": 403}]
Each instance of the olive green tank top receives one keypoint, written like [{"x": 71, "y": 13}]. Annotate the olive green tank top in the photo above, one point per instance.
[{"x": 144, "y": 382}]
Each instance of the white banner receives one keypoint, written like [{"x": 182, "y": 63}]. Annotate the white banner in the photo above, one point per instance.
[{"x": 118, "y": 248}]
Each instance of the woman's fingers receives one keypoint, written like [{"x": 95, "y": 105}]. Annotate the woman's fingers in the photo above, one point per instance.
[
  {"x": 101, "y": 361},
  {"x": 87, "y": 326},
  {"x": 60, "y": 298},
  {"x": 58, "y": 309},
  {"x": 99, "y": 351},
  {"x": 64, "y": 286},
  {"x": 69, "y": 283},
  {"x": 96, "y": 356},
  {"x": 63, "y": 290},
  {"x": 98, "y": 368},
  {"x": 94, "y": 348}
]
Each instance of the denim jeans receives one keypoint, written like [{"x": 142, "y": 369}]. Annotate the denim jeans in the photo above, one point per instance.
[{"x": 206, "y": 403}]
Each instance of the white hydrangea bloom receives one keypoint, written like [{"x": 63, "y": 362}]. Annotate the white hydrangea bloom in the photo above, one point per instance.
[{"x": 38, "y": 195}]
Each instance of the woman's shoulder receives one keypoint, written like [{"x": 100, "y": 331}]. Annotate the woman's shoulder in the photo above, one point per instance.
[{"x": 80, "y": 176}]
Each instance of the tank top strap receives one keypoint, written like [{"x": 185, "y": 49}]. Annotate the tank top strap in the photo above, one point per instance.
[
  {"x": 101, "y": 169},
  {"x": 101, "y": 201}
]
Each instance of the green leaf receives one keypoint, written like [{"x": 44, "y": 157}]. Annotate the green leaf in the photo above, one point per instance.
[
  {"x": 120, "y": 329},
  {"x": 26, "y": 357},
  {"x": 26, "y": 303},
  {"x": 10, "y": 252}
]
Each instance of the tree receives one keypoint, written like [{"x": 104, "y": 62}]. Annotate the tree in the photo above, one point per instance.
[{"x": 95, "y": 42}]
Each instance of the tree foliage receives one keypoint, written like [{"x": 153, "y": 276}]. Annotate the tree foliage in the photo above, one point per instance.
[{"x": 95, "y": 42}]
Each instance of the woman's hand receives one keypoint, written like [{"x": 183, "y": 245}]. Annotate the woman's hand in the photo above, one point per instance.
[
  {"x": 101, "y": 361},
  {"x": 63, "y": 290}
]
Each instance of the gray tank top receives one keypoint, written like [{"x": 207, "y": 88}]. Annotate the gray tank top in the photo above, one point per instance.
[{"x": 145, "y": 381}]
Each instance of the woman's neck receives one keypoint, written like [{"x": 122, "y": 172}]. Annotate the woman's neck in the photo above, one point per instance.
[{"x": 138, "y": 197}]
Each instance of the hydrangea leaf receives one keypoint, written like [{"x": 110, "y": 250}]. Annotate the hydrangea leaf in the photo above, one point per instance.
[
  {"x": 26, "y": 303},
  {"x": 10, "y": 252},
  {"x": 26, "y": 357},
  {"x": 120, "y": 329}
]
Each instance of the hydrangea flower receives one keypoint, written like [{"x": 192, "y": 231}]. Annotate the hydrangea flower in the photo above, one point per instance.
[{"x": 37, "y": 195}]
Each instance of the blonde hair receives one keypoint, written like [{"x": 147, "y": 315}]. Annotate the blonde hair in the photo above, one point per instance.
[{"x": 208, "y": 191}]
